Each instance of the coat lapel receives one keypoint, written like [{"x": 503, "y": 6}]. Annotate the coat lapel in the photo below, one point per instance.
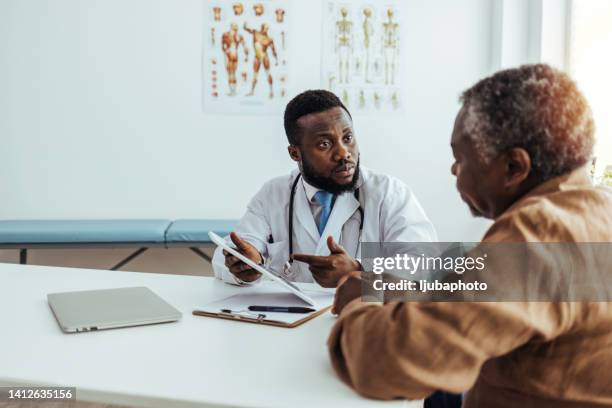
[{"x": 303, "y": 213}]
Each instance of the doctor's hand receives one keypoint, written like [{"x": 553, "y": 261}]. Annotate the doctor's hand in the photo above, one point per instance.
[
  {"x": 240, "y": 269},
  {"x": 349, "y": 288},
  {"x": 327, "y": 270}
]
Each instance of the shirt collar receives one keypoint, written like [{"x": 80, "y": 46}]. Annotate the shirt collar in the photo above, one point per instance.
[{"x": 310, "y": 190}]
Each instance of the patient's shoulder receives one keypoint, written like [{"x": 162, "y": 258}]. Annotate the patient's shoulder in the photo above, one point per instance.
[{"x": 576, "y": 215}]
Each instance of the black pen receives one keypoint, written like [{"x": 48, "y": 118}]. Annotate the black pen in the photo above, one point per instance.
[{"x": 281, "y": 309}]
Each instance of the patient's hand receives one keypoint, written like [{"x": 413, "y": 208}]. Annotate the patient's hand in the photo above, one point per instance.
[
  {"x": 349, "y": 288},
  {"x": 240, "y": 269},
  {"x": 327, "y": 270}
]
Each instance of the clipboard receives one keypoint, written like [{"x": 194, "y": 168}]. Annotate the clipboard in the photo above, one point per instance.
[
  {"x": 246, "y": 319},
  {"x": 235, "y": 308}
]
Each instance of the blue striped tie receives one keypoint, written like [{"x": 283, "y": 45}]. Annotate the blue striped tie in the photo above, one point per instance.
[{"x": 325, "y": 199}]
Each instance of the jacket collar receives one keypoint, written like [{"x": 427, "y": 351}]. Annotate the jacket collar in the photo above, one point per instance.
[{"x": 569, "y": 181}]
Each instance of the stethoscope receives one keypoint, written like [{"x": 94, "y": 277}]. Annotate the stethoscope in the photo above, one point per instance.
[{"x": 292, "y": 198}]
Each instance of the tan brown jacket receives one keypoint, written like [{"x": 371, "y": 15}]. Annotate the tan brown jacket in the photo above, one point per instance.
[{"x": 510, "y": 354}]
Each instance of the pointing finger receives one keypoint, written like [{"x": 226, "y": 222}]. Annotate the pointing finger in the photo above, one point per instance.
[{"x": 310, "y": 259}]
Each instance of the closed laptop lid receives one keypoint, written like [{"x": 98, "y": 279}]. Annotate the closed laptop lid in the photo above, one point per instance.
[{"x": 110, "y": 308}]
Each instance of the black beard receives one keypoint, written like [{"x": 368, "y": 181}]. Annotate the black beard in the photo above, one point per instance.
[{"x": 321, "y": 182}]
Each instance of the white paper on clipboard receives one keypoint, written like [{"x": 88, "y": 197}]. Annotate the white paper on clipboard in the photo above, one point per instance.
[
  {"x": 239, "y": 304},
  {"x": 259, "y": 268}
]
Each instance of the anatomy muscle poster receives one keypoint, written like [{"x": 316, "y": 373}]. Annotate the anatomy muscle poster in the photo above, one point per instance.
[{"x": 245, "y": 64}]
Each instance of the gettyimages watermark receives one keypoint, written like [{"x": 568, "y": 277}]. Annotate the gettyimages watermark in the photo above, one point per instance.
[{"x": 489, "y": 272}]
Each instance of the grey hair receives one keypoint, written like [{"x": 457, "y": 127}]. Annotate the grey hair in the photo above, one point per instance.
[{"x": 537, "y": 108}]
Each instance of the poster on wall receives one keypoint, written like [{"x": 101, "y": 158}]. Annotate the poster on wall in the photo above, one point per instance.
[
  {"x": 245, "y": 64},
  {"x": 360, "y": 59}
]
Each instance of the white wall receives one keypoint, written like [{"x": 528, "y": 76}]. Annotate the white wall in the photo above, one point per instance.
[
  {"x": 529, "y": 31},
  {"x": 100, "y": 111}
]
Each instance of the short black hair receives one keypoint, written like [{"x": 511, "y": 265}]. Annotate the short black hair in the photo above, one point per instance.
[
  {"x": 535, "y": 107},
  {"x": 311, "y": 101}
]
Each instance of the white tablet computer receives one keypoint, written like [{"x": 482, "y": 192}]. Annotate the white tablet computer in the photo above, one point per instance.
[{"x": 259, "y": 268}]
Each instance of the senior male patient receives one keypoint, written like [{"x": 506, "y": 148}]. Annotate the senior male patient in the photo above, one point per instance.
[
  {"x": 520, "y": 142},
  {"x": 320, "y": 213}
]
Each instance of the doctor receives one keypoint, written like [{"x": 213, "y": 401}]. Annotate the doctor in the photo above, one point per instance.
[{"x": 308, "y": 225}]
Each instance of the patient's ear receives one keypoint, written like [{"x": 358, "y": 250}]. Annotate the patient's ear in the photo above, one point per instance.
[
  {"x": 518, "y": 166},
  {"x": 294, "y": 153}
]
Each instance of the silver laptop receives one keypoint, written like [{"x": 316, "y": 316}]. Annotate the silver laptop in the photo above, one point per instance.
[{"x": 109, "y": 308}]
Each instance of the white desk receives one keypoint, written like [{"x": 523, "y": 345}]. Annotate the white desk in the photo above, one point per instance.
[{"x": 196, "y": 362}]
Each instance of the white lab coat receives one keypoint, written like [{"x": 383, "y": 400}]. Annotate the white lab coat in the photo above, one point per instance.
[{"x": 391, "y": 211}]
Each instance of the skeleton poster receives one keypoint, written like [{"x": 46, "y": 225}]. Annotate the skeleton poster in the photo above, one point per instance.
[
  {"x": 245, "y": 67},
  {"x": 361, "y": 54}
]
